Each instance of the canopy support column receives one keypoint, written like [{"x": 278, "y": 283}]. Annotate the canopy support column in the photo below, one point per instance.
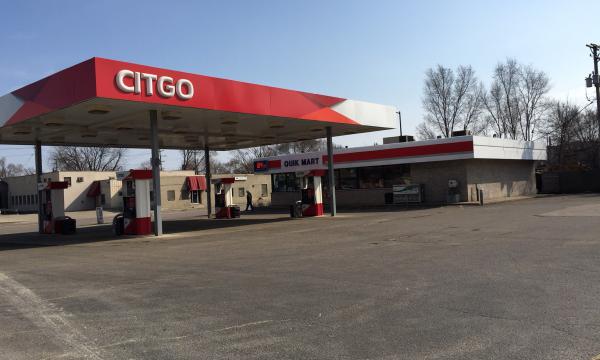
[
  {"x": 207, "y": 176},
  {"x": 38, "y": 180},
  {"x": 156, "y": 172},
  {"x": 330, "y": 172}
]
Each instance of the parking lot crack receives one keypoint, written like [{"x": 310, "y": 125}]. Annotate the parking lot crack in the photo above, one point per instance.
[{"x": 47, "y": 318}]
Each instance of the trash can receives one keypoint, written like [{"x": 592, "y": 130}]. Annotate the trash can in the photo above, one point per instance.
[
  {"x": 235, "y": 211},
  {"x": 388, "y": 198},
  {"x": 296, "y": 209},
  {"x": 118, "y": 225},
  {"x": 65, "y": 225}
]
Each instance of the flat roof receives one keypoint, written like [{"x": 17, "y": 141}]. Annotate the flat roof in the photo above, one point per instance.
[
  {"x": 103, "y": 102},
  {"x": 455, "y": 148}
]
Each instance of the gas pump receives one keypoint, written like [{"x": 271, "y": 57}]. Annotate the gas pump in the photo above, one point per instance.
[
  {"x": 224, "y": 207},
  {"x": 136, "y": 202},
  {"x": 312, "y": 193},
  {"x": 53, "y": 209}
]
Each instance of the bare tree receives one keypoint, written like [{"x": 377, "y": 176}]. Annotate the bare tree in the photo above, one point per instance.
[
  {"x": 72, "y": 158},
  {"x": 194, "y": 160},
  {"x": 9, "y": 169},
  {"x": 147, "y": 164},
  {"x": 562, "y": 119},
  {"x": 472, "y": 118},
  {"x": 586, "y": 130},
  {"x": 534, "y": 86},
  {"x": 424, "y": 132},
  {"x": 451, "y": 101},
  {"x": 242, "y": 160},
  {"x": 573, "y": 133},
  {"x": 516, "y": 101}
]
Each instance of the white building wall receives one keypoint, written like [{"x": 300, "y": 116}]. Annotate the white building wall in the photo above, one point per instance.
[
  {"x": 76, "y": 198},
  {"x": 507, "y": 149},
  {"x": 22, "y": 193},
  {"x": 23, "y": 189}
]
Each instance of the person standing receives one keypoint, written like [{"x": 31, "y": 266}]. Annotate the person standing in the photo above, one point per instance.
[{"x": 249, "y": 201}]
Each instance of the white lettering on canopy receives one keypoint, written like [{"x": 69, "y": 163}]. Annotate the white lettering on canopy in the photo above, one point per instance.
[{"x": 166, "y": 86}]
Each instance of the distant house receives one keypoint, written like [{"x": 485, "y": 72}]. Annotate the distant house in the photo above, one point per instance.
[{"x": 89, "y": 189}]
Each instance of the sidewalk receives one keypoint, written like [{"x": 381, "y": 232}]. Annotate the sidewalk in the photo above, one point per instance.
[
  {"x": 497, "y": 200},
  {"x": 89, "y": 216},
  {"x": 79, "y": 215}
]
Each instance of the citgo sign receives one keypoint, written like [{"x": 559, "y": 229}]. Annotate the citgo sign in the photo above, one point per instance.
[{"x": 166, "y": 86}]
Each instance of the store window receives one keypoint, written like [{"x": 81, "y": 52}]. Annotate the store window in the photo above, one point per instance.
[
  {"x": 241, "y": 192},
  {"x": 196, "y": 196},
  {"x": 171, "y": 195},
  {"x": 67, "y": 179},
  {"x": 396, "y": 175},
  {"x": 285, "y": 182},
  {"x": 371, "y": 177},
  {"x": 264, "y": 190},
  {"x": 348, "y": 178}
]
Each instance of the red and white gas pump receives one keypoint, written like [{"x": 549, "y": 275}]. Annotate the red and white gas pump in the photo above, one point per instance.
[
  {"x": 53, "y": 208},
  {"x": 136, "y": 202},
  {"x": 224, "y": 207},
  {"x": 312, "y": 193}
]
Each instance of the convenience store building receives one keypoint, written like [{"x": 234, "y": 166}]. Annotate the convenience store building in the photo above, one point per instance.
[{"x": 366, "y": 176}]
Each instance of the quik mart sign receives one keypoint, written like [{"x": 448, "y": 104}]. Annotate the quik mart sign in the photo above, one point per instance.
[
  {"x": 301, "y": 163},
  {"x": 292, "y": 163}
]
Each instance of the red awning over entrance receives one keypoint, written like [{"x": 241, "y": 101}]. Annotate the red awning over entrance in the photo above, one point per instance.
[
  {"x": 94, "y": 189},
  {"x": 196, "y": 183}
]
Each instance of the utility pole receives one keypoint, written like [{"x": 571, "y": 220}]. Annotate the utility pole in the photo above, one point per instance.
[
  {"x": 400, "y": 120},
  {"x": 595, "y": 80}
]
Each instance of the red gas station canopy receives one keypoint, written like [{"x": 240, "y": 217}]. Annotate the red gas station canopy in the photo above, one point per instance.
[{"x": 102, "y": 102}]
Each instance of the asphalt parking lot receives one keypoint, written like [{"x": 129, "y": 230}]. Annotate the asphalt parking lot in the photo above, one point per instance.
[{"x": 517, "y": 280}]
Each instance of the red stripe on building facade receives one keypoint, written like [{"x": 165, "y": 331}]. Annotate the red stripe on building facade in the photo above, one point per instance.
[
  {"x": 425, "y": 150},
  {"x": 274, "y": 164}
]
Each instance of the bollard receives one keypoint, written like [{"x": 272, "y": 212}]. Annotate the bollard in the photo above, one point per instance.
[{"x": 99, "y": 215}]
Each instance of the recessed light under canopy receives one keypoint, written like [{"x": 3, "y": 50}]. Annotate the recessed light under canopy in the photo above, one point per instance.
[
  {"x": 89, "y": 133},
  {"x": 171, "y": 115},
  {"x": 22, "y": 130},
  {"x": 98, "y": 109},
  {"x": 54, "y": 122}
]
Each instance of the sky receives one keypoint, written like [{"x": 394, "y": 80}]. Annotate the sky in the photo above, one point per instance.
[{"x": 374, "y": 51}]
